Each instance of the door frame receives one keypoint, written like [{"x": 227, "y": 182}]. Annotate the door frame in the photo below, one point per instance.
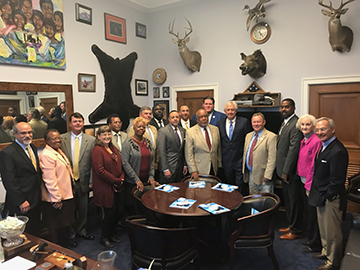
[
  {"x": 307, "y": 82},
  {"x": 175, "y": 89}
]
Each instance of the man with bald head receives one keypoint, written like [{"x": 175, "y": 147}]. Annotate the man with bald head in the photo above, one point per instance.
[
  {"x": 21, "y": 176},
  {"x": 202, "y": 147}
]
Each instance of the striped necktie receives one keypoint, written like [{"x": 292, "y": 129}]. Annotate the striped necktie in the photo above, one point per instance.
[{"x": 33, "y": 161}]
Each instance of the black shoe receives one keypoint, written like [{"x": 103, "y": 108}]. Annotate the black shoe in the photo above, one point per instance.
[
  {"x": 114, "y": 239},
  {"x": 319, "y": 256},
  {"x": 105, "y": 242},
  {"x": 86, "y": 236},
  {"x": 72, "y": 243}
]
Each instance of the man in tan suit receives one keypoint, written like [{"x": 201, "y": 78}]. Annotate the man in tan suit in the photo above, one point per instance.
[
  {"x": 117, "y": 136},
  {"x": 259, "y": 156},
  {"x": 202, "y": 147}
]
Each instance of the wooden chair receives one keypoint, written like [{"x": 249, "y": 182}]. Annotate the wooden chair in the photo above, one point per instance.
[
  {"x": 203, "y": 177},
  {"x": 171, "y": 248},
  {"x": 254, "y": 230}
]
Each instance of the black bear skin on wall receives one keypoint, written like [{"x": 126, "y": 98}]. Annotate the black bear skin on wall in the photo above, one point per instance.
[{"x": 117, "y": 76}]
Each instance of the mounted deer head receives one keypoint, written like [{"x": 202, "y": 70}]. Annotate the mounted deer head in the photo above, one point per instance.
[
  {"x": 192, "y": 59},
  {"x": 340, "y": 37}
]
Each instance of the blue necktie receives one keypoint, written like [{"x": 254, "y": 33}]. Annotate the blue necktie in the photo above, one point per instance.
[{"x": 231, "y": 129}]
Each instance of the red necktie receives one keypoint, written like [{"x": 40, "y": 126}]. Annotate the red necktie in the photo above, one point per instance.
[
  {"x": 207, "y": 138},
  {"x": 250, "y": 160}
]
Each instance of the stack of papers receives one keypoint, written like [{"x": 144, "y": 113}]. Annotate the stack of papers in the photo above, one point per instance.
[
  {"x": 225, "y": 187},
  {"x": 182, "y": 203},
  {"x": 197, "y": 184},
  {"x": 214, "y": 208},
  {"x": 17, "y": 263},
  {"x": 166, "y": 188}
]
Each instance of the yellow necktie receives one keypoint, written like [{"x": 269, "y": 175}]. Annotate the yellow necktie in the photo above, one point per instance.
[
  {"x": 76, "y": 159},
  {"x": 186, "y": 126},
  {"x": 33, "y": 161}
]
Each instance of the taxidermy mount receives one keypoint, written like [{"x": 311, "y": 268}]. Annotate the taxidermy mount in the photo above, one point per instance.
[
  {"x": 255, "y": 13},
  {"x": 254, "y": 65},
  {"x": 117, "y": 76}
]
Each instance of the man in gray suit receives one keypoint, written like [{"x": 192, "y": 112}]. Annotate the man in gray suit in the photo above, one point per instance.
[
  {"x": 118, "y": 137},
  {"x": 288, "y": 146},
  {"x": 170, "y": 145},
  {"x": 78, "y": 146}
]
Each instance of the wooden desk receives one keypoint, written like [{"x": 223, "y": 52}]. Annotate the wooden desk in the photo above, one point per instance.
[
  {"x": 159, "y": 201},
  {"x": 25, "y": 253}
]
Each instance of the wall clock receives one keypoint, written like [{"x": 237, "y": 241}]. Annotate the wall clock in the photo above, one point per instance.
[
  {"x": 159, "y": 76},
  {"x": 260, "y": 33}
]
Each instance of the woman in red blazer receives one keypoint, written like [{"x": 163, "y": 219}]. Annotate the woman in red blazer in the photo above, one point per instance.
[{"x": 107, "y": 178}]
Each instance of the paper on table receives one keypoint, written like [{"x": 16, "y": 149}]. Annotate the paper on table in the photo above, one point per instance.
[{"x": 17, "y": 263}]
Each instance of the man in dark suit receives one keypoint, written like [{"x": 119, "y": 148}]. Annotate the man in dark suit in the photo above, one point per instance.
[
  {"x": 184, "y": 113},
  {"x": 214, "y": 116},
  {"x": 117, "y": 136},
  {"x": 77, "y": 145},
  {"x": 21, "y": 176},
  {"x": 327, "y": 192},
  {"x": 170, "y": 145},
  {"x": 233, "y": 130},
  {"x": 158, "y": 115},
  {"x": 288, "y": 146}
]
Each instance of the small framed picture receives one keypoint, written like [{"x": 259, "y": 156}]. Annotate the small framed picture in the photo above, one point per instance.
[
  {"x": 140, "y": 30},
  {"x": 31, "y": 101},
  {"x": 86, "y": 82},
  {"x": 164, "y": 104},
  {"x": 91, "y": 129},
  {"x": 166, "y": 91},
  {"x": 156, "y": 92},
  {"x": 83, "y": 14},
  {"x": 115, "y": 28},
  {"x": 141, "y": 87}
]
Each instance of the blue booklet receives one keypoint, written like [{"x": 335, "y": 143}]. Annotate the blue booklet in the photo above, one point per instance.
[
  {"x": 166, "y": 188},
  {"x": 182, "y": 203},
  {"x": 214, "y": 208},
  {"x": 224, "y": 187},
  {"x": 197, "y": 184}
]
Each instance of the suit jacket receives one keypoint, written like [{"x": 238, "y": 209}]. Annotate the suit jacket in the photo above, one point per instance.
[
  {"x": 171, "y": 153},
  {"x": 155, "y": 124},
  {"x": 146, "y": 135},
  {"x": 232, "y": 150},
  {"x": 4, "y": 136},
  {"x": 192, "y": 123},
  {"x": 57, "y": 176},
  {"x": 197, "y": 154},
  {"x": 87, "y": 144},
  {"x": 215, "y": 117},
  {"x": 330, "y": 170},
  {"x": 123, "y": 137},
  {"x": 59, "y": 124},
  {"x": 287, "y": 149},
  {"x": 20, "y": 179},
  {"x": 39, "y": 127},
  {"x": 264, "y": 157}
]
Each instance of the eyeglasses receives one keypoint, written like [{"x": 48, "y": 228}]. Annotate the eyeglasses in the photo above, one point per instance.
[{"x": 321, "y": 129}]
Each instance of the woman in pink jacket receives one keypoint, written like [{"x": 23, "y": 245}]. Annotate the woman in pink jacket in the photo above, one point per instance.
[{"x": 309, "y": 148}]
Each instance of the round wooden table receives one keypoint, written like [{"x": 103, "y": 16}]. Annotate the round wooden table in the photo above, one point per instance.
[{"x": 160, "y": 201}]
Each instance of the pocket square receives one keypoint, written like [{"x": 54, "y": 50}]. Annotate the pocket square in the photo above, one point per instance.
[{"x": 323, "y": 161}]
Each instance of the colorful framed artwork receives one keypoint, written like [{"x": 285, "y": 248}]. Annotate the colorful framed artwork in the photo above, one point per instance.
[
  {"x": 83, "y": 14},
  {"x": 164, "y": 104},
  {"x": 91, "y": 129},
  {"x": 141, "y": 87},
  {"x": 166, "y": 91},
  {"x": 115, "y": 28},
  {"x": 140, "y": 30},
  {"x": 86, "y": 82},
  {"x": 156, "y": 92}
]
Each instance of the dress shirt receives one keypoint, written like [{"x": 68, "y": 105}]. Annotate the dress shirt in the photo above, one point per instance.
[
  {"x": 210, "y": 116},
  {"x": 203, "y": 132},
  {"x": 285, "y": 122},
  {"x": 178, "y": 132},
  {"x": 248, "y": 150},
  {"x": 73, "y": 137},
  {"x": 325, "y": 144},
  {"x": 183, "y": 123},
  {"x": 118, "y": 138},
  {"x": 227, "y": 125},
  {"x": 160, "y": 123},
  {"x": 24, "y": 147}
]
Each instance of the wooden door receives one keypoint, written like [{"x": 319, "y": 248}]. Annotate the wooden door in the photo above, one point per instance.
[
  {"x": 48, "y": 103},
  {"x": 340, "y": 101},
  {"x": 193, "y": 99},
  {"x": 6, "y": 103}
]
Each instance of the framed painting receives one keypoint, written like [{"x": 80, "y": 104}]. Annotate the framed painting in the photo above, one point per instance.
[
  {"x": 83, "y": 14},
  {"x": 166, "y": 91},
  {"x": 115, "y": 28},
  {"x": 34, "y": 44},
  {"x": 141, "y": 87},
  {"x": 164, "y": 104},
  {"x": 140, "y": 30},
  {"x": 91, "y": 129},
  {"x": 86, "y": 82},
  {"x": 156, "y": 92}
]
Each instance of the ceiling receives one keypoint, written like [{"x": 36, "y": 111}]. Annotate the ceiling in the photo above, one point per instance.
[{"x": 155, "y": 5}]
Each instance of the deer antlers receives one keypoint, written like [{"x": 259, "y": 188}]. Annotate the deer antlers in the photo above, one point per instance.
[
  {"x": 331, "y": 7},
  {"x": 171, "y": 29}
]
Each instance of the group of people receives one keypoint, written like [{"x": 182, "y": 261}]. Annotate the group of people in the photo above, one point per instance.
[{"x": 305, "y": 155}]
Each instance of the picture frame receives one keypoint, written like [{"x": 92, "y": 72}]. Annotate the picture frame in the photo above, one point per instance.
[
  {"x": 166, "y": 91},
  {"x": 91, "y": 129},
  {"x": 115, "y": 28},
  {"x": 164, "y": 104},
  {"x": 86, "y": 82},
  {"x": 83, "y": 14},
  {"x": 141, "y": 87},
  {"x": 156, "y": 92},
  {"x": 140, "y": 30}
]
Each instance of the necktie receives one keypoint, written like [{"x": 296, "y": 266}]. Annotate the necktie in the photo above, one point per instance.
[
  {"x": 231, "y": 130},
  {"x": 282, "y": 126},
  {"x": 76, "y": 159},
  {"x": 207, "y": 138},
  {"x": 318, "y": 152},
  {"x": 118, "y": 141},
  {"x": 186, "y": 125},
  {"x": 177, "y": 135},
  {"x": 33, "y": 161},
  {"x": 161, "y": 123},
  {"x": 250, "y": 160}
]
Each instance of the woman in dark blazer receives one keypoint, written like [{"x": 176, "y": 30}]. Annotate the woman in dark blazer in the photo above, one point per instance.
[{"x": 108, "y": 178}]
